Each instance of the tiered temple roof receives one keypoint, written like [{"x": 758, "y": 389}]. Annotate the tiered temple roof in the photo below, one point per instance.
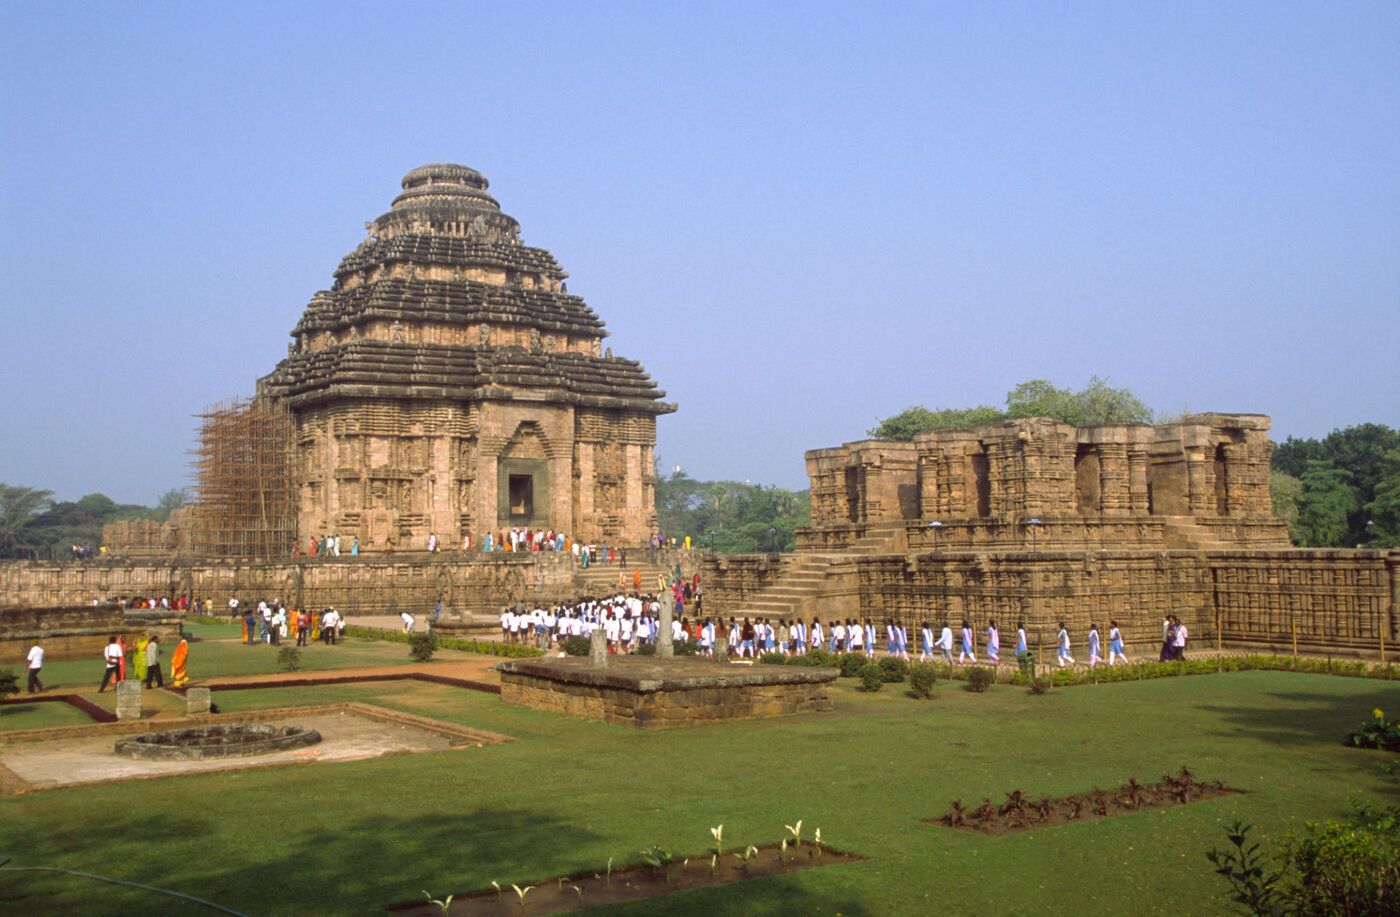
[{"x": 443, "y": 300}]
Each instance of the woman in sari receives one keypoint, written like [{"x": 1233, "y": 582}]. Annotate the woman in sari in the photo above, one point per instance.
[
  {"x": 178, "y": 676},
  {"x": 139, "y": 660}
]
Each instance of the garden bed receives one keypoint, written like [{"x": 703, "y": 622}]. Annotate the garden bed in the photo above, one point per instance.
[
  {"x": 1020, "y": 812},
  {"x": 635, "y": 882}
]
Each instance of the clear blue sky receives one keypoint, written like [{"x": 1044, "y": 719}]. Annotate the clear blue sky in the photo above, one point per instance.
[{"x": 799, "y": 217}]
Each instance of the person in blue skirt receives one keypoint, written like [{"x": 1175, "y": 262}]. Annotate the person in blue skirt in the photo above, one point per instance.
[
  {"x": 967, "y": 648},
  {"x": 993, "y": 642},
  {"x": 902, "y": 633},
  {"x": 926, "y": 643},
  {"x": 1021, "y": 648},
  {"x": 1062, "y": 644},
  {"x": 1095, "y": 656},
  {"x": 1115, "y": 643}
]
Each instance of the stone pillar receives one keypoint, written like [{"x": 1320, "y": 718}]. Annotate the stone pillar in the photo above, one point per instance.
[
  {"x": 1137, "y": 482},
  {"x": 129, "y": 700},
  {"x": 663, "y": 636},
  {"x": 598, "y": 649},
  {"x": 1115, "y": 497},
  {"x": 721, "y": 649},
  {"x": 197, "y": 701}
]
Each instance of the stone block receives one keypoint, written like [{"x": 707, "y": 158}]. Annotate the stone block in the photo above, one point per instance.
[
  {"x": 129, "y": 700},
  {"x": 197, "y": 701}
]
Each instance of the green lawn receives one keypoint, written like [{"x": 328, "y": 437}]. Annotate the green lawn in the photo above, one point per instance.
[
  {"x": 216, "y": 651},
  {"x": 44, "y": 715},
  {"x": 569, "y": 794}
]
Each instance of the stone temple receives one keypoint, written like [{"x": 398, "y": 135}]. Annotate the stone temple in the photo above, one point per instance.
[{"x": 449, "y": 383}]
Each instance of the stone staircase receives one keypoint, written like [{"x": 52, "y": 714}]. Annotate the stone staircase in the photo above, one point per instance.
[
  {"x": 802, "y": 579},
  {"x": 601, "y": 579},
  {"x": 1180, "y": 532}
]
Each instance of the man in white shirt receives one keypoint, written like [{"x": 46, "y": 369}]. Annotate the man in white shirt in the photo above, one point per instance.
[
  {"x": 407, "y": 622},
  {"x": 36, "y": 662},
  {"x": 112, "y": 655}
]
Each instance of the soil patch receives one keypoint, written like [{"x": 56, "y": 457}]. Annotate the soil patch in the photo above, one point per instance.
[
  {"x": 637, "y": 882},
  {"x": 1020, "y": 812}
]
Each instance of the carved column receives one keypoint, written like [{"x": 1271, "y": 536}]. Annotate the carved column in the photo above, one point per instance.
[
  {"x": 1115, "y": 492},
  {"x": 1137, "y": 482}
]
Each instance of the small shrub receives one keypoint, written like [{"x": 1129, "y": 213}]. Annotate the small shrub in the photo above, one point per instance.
[
  {"x": 1379, "y": 733},
  {"x": 772, "y": 659},
  {"x": 870, "y": 679},
  {"x": 980, "y": 678},
  {"x": 9, "y": 683},
  {"x": 685, "y": 648},
  {"x": 1040, "y": 686},
  {"x": 289, "y": 658},
  {"x": 819, "y": 657},
  {"x": 422, "y": 646},
  {"x": 645, "y": 649},
  {"x": 893, "y": 670},
  {"x": 576, "y": 646},
  {"x": 851, "y": 664},
  {"x": 922, "y": 677}
]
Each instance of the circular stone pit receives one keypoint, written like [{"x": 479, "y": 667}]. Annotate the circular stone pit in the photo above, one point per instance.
[{"x": 224, "y": 741}]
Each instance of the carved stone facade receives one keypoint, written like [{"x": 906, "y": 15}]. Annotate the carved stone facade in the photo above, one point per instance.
[
  {"x": 1037, "y": 521},
  {"x": 448, "y": 383},
  {"x": 1202, "y": 482}
]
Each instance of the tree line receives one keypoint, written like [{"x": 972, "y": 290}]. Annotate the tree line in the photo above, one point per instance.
[
  {"x": 34, "y": 526},
  {"x": 1340, "y": 491},
  {"x": 730, "y": 516}
]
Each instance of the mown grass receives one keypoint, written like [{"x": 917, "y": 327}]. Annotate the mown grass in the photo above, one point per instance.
[
  {"x": 216, "y": 651},
  {"x": 569, "y": 794}
]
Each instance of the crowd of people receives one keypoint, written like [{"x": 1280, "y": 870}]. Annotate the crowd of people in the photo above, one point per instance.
[
  {"x": 272, "y": 622},
  {"x": 513, "y": 540}
]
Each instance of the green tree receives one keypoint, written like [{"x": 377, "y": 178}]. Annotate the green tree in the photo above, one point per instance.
[
  {"x": 169, "y": 501},
  {"x": 20, "y": 508},
  {"x": 1384, "y": 509},
  {"x": 1286, "y": 492},
  {"x": 1328, "y": 499},
  {"x": 1097, "y": 402},
  {"x": 1361, "y": 452},
  {"x": 911, "y": 421}
]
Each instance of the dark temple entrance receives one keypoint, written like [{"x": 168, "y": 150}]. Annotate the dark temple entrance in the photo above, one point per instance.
[{"x": 522, "y": 498}]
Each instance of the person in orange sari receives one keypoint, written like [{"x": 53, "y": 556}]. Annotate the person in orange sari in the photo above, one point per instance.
[
  {"x": 178, "y": 676},
  {"x": 637, "y": 580}
]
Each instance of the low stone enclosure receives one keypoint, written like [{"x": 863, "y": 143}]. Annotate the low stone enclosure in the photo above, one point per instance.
[
  {"x": 233, "y": 740},
  {"x": 652, "y": 693},
  {"x": 79, "y": 631},
  {"x": 1038, "y": 521}
]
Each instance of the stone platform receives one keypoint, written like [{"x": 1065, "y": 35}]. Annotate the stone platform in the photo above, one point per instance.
[{"x": 652, "y": 693}]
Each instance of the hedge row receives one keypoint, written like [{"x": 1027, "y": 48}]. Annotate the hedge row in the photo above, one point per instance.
[{"x": 480, "y": 647}]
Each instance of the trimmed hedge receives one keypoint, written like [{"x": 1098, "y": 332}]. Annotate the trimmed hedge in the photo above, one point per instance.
[{"x": 480, "y": 647}]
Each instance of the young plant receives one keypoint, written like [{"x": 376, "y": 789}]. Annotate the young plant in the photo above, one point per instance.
[
  {"x": 817, "y": 842},
  {"x": 442, "y": 905},
  {"x": 1133, "y": 795},
  {"x": 718, "y": 834},
  {"x": 1255, "y": 884},
  {"x": 578, "y": 891},
  {"x": 796, "y": 832},
  {"x": 658, "y": 857},
  {"x": 521, "y": 893},
  {"x": 782, "y": 852},
  {"x": 609, "y": 873},
  {"x": 746, "y": 857},
  {"x": 497, "y": 886},
  {"x": 957, "y": 814}
]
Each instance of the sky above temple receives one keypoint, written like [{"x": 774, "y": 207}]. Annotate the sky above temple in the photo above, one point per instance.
[{"x": 799, "y": 218}]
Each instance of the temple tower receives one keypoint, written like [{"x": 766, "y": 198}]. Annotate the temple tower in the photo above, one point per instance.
[{"x": 448, "y": 383}]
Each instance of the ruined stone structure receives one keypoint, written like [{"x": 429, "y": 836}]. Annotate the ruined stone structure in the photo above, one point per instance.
[
  {"x": 1036, "y": 520},
  {"x": 448, "y": 383}
]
